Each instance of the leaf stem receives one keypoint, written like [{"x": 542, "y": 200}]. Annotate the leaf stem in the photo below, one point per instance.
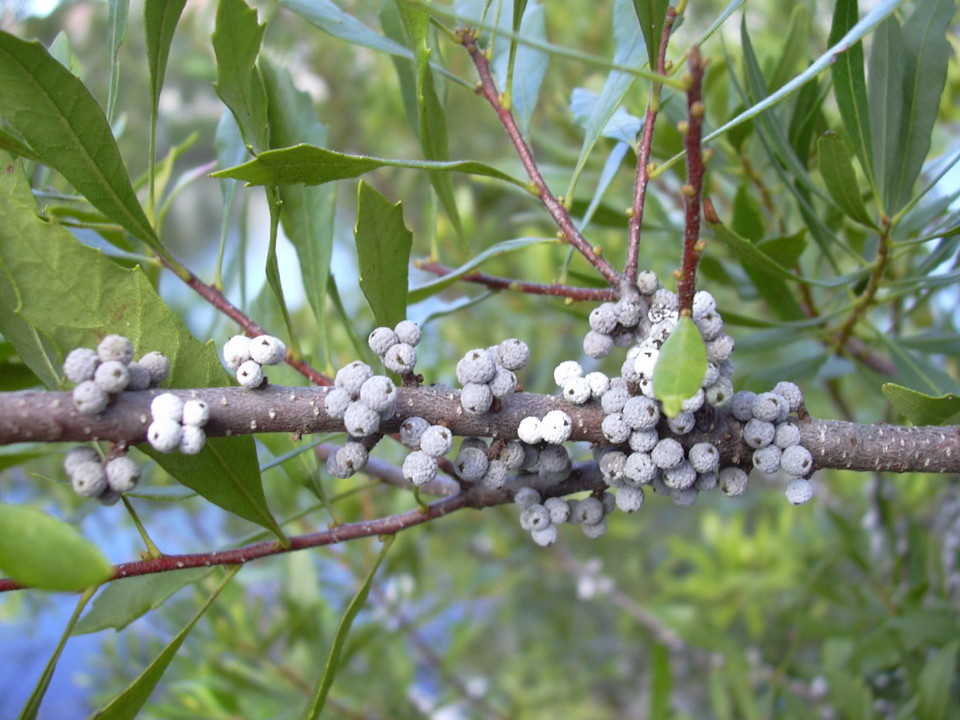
[
  {"x": 152, "y": 550},
  {"x": 866, "y": 298}
]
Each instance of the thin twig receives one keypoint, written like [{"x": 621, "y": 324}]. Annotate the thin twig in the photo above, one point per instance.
[
  {"x": 869, "y": 293},
  {"x": 631, "y": 268},
  {"x": 488, "y": 90},
  {"x": 217, "y": 299},
  {"x": 500, "y": 283}
]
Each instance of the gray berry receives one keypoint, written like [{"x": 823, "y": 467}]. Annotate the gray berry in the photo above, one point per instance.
[
  {"x": 408, "y": 332},
  {"x": 525, "y": 497},
  {"x": 380, "y": 394},
  {"x": 401, "y": 359},
  {"x": 411, "y": 430},
  {"x": 758, "y": 433},
  {"x": 680, "y": 477},
  {"x": 767, "y": 459},
  {"x": 535, "y": 517},
  {"x": 796, "y": 460},
  {"x": 158, "y": 365},
  {"x": 513, "y": 354},
  {"x": 81, "y": 364},
  {"x": 352, "y": 377},
  {"x": 436, "y": 440},
  {"x": 89, "y": 398},
  {"x": 667, "y": 454},
  {"x": 742, "y": 405},
  {"x": 88, "y": 479},
  {"x": 704, "y": 457},
  {"x": 360, "y": 420},
  {"x": 643, "y": 440},
  {"x": 122, "y": 474},
  {"x": 545, "y": 536},
  {"x": 476, "y": 398},
  {"x": 603, "y": 318},
  {"x": 787, "y": 434},
  {"x": 630, "y": 499},
  {"x": 336, "y": 402},
  {"x": 615, "y": 428},
  {"x": 733, "y": 481},
  {"x": 496, "y": 475},
  {"x": 115, "y": 347},
  {"x": 139, "y": 377},
  {"x": 471, "y": 463},
  {"x": 77, "y": 455},
  {"x": 770, "y": 407},
  {"x": 504, "y": 382},
  {"x": 381, "y": 340},
  {"x": 477, "y": 366},
  {"x": 791, "y": 393},
  {"x": 112, "y": 376},
  {"x": 640, "y": 468},
  {"x": 419, "y": 468},
  {"x": 559, "y": 509}
]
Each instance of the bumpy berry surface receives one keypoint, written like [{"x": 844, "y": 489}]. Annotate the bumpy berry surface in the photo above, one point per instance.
[
  {"x": 615, "y": 428},
  {"x": 196, "y": 412},
  {"x": 164, "y": 434},
  {"x": 122, "y": 474},
  {"x": 504, "y": 382},
  {"x": 566, "y": 370},
  {"x": 476, "y": 398},
  {"x": 680, "y": 477},
  {"x": 496, "y": 475},
  {"x": 236, "y": 351},
  {"x": 89, "y": 398},
  {"x": 381, "y": 340},
  {"x": 411, "y": 430},
  {"x": 436, "y": 440},
  {"x": 81, "y": 364},
  {"x": 667, "y": 454},
  {"x": 250, "y": 374},
  {"x": 379, "y": 393},
  {"x": 477, "y": 366},
  {"x": 546, "y": 536},
  {"x": 77, "y": 455},
  {"x": 336, "y": 402},
  {"x": 767, "y": 459},
  {"x": 112, "y": 376},
  {"x": 267, "y": 350},
  {"x": 640, "y": 468},
  {"x": 770, "y": 407},
  {"x": 401, "y": 358},
  {"x": 471, "y": 463},
  {"x": 167, "y": 406},
  {"x": 158, "y": 365},
  {"x": 555, "y": 427},
  {"x": 799, "y": 491},
  {"x": 525, "y": 497},
  {"x": 115, "y": 347},
  {"x": 732, "y": 481},
  {"x": 361, "y": 420},
  {"x": 559, "y": 510},
  {"x": 535, "y": 517},
  {"x": 352, "y": 376},
  {"x": 529, "y": 430},
  {"x": 513, "y": 354},
  {"x": 88, "y": 479},
  {"x": 787, "y": 434},
  {"x": 758, "y": 433},
  {"x": 796, "y": 460},
  {"x": 192, "y": 440},
  {"x": 408, "y": 332},
  {"x": 603, "y": 318},
  {"x": 419, "y": 468},
  {"x": 791, "y": 393},
  {"x": 704, "y": 457},
  {"x": 630, "y": 499}
]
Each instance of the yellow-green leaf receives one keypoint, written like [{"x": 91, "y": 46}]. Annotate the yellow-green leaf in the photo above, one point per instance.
[
  {"x": 681, "y": 367},
  {"x": 43, "y": 552}
]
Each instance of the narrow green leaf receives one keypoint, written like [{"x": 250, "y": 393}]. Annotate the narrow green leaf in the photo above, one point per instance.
[
  {"x": 422, "y": 292},
  {"x": 46, "y": 553},
  {"x": 123, "y": 601},
  {"x": 331, "y": 19},
  {"x": 236, "y": 42},
  {"x": 116, "y": 30},
  {"x": 307, "y": 213},
  {"x": 32, "y": 706},
  {"x": 748, "y": 252},
  {"x": 383, "y": 252},
  {"x": 14, "y": 145},
  {"x": 73, "y": 296},
  {"x": 630, "y": 50},
  {"x": 128, "y": 703},
  {"x": 680, "y": 367},
  {"x": 937, "y": 692},
  {"x": 850, "y": 86},
  {"x": 160, "y": 19},
  {"x": 432, "y": 118},
  {"x": 916, "y": 371},
  {"x": 315, "y": 708},
  {"x": 661, "y": 682},
  {"x": 313, "y": 165},
  {"x": 886, "y": 107},
  {"x": 779, "y": 296},
  {"x": 530, "y": 67},
  {"x": 840, "y": 178},
  {"x": 67, "y": 130},
  {"x": 793, "y": 49},
  {"x": 926, "y": 53},
  {"x": 9, "y": 460},
  {"x": 920, "y": 408},
  {"x": 651, "y": 14}
]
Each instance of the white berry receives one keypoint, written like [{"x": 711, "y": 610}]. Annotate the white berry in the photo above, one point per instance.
[
  {"x": 167, "y": 406},
  {"x": 408, "y": 332},
  {"x": 630, "y": 499},
  {"x": 534, "y": 517},
  {"x": 352, "y": 377},
  {"x": 767, "y": 459},
  {"x": 419, "y": 468},
  {"x": 112, "y": 376},
  {"x": 796, "y": 460},
  {"x": 381, "y": 340},
  {"x": 89, "y": 398},
  {"x": 336, "y": 402},
  {"x": 122, "y": 474},
  {"x": 667, "y": 454},
  {"x": 401, "y": 359},
  {"x": 236, "y": 351},
  {"x": 115, "y": 347},
  {"x": 158, "y": 365},
  {"x": 477, "y": 366},
  {"x": 558, "y": 508},
  {"x": 566, "y": 370},
  {"x": 77, "y": 455},
  {"x": 476, "y": 398},
  {"x": 545, "y": 536},
  {"x": 436, "y": 441},
  {"x": 799, "y": 491},
  {"x": 576, "y": 391},
  {"x": 555, "y": 427},
  {"x": 529, "y": 430},
  {"x": 267, "y": 350},
  {"x": 513, "y": 354},
  {"x": 88, "y": 479},
  {"x": 503, "y": 383},
  {"x": 164, "y": 434},
  {"x": 196, "y": 413},
  {"x": 250, "y": 374},
  {"x": 380, "y": 394},
  {"x": 360, "y": 420},
  {"x": 81, "y": 364}
]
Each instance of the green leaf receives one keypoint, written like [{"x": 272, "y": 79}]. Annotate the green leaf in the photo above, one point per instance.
[
  {"x": 236, "y": 42},
  {"x": 680, "y": 367},
  {"x": 13, "y": 144},
  {"x": 886, "y": 107},
  {"x": 331, "y": 19},
  {"x": 383, "y": 252},
  {"x": 73, "y": 296},
  {"x": 46, "y": 553},
  {"x": 793, "y": 49},
  {"x": 630, "y": 50},
  {"x": 850, "y": 86},
  {"x": 926, "y": 53},
  {"x": 343, "y": 629},
  {"x": 431, "y": 117},
  {"x": 651, "y": 14},
  {"x": 9, "y": 460},
  {"x": 117, "y": 28},
  {"x": 160, "y": 19},
  {"x": 937, "y": 691},
  {"x": 123, "y": 601},
  {"x": 422, "y": 292},
  {"x": 307, "y": 213},
  {"x": 841, "y": 179},
  {"x": 531, "y": 64},
  {"x": 313, "y": 165},
  {"x": 32, "y": 706},
  {"x": 750, "y": 253},
  {"x": 920, "y": 408},
  {"x": 128, "y": 703},
  {"x": 67, "y": 130},
  {"x": 915, "y": 370},
  {"x": 661, "y": 682}
]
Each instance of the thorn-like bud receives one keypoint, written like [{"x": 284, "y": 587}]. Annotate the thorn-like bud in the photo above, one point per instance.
[
  {"x": 677, "y": 274},
  {"x": 562, "y": 236},
  {"x": 710, "y": 212},
  {"x": 651, "y": 167},
  {"x": 698, "y": 109},
  {"x": 683, "y": 126},
  {"x": 700, "y": 246},
  {"x": 629, "y": 212},
  {"x": 688, "y": 190},
  {"x": 668, "y": 66},
  {"x": 707, "y": 155},
  {"x": 597, "y": 250}
]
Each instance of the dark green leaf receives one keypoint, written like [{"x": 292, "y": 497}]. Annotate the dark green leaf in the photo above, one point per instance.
[
  {"x": 886, "y": 107},
  {"x": 841, "y": 179},
  {"x": 432, "y": 119},
  {"x": 42, "y": 552},
  {"x": 307, "y": 213},
  {"x": 340, "y": 637},
  {"x": 160, "y": 19},
  {"x": 236, "y": 42},
  {"x": 661, "y": 682},
  {"x": 680, "y": 367},
  {"x": 422, "y": 292},
  {"x": 793, "y": 50},
  {"x": 383, "y": 252},
  {"x": 128, "y": 703},
  {"x": 916, "y": 371},
  {"x": 920, "y": 408},
  {"x": 938, "y": 697},
  {"x": 850, "y": 85},
  {"x": 76, "y": 295},
  {"x": 16, "y": 146},
  {"x": 313, "y": 165},
  {"x": 123, "y": 601},
  {"x": 926, "y": 53},
  {"x": 67, "y": 130},
  {"x": 651, "y": 14}
]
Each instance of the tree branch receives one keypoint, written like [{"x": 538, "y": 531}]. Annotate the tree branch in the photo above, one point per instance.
[
  {"x": 693, "y": 188},
  {"x": 500, "y": 283},
  {"x": 488, "y": 90}
]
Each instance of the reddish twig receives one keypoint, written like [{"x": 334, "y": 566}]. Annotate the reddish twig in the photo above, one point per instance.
[
  {"x": 487, "y": 89},
  {"x": 694, "y": 185},
  {"x": 216, "y": 298},
  {"x": 643, "y": 156},
  {"x": 530, "y": 288}
]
